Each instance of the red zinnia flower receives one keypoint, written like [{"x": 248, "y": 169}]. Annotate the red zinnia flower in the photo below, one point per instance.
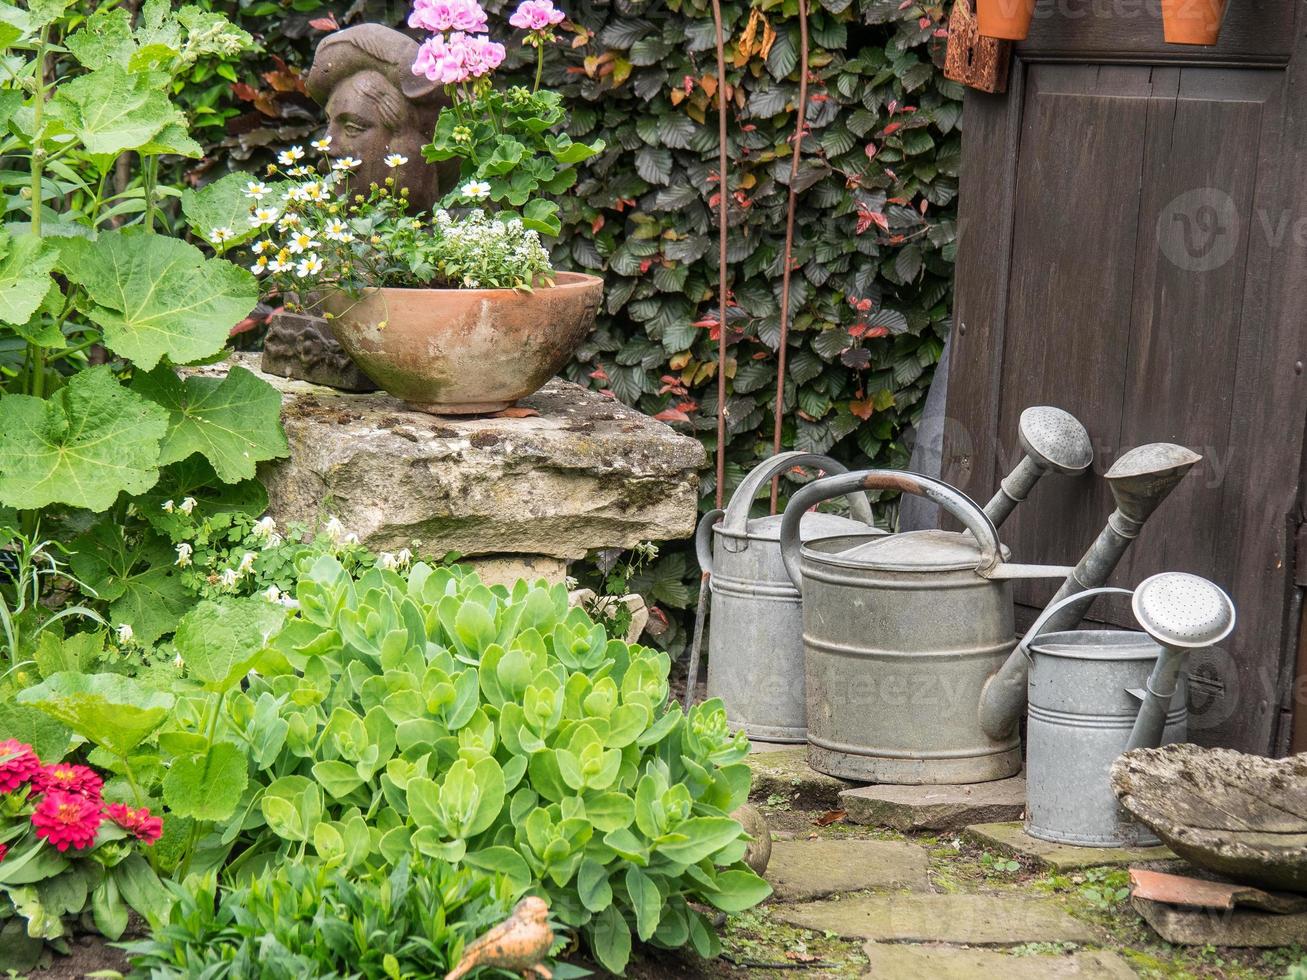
[
  {"x": 67, "y": 820},
  {"x": 18, "y": 764},
  {"x": 69, "y": 778},
  {"x": 4, "y": 849},
  {"x": 139, "y": 822}
]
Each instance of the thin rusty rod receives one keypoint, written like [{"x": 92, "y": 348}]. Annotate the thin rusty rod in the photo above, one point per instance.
[
  {"x": 800, "y": 127},
  {"x": 723, "y": 216}
]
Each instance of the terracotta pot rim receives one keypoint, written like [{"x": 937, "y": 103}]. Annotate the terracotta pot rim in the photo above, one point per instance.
[{"x": 562, "y": 281}]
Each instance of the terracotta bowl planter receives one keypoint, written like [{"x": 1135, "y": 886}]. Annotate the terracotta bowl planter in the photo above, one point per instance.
[
  {"x": 1006, "y": 19},
  {"x": 465, "y": 351},
  {"x": 1192, "y": 21}
]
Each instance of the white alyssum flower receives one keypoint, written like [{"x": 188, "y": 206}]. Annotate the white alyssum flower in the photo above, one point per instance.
[
  {"x": 475, "y": 189},
  {"x": 310, "y": 265},
  {"x": 220, "y": 235},
  {"x": 184, "y": 552},
  {"x": 125, "y": 634},
  {"x": 256, "y": 190},
  {"x": 323, "y": 144},
  {"x": 288, "y": 157},
  {"x": 346, "y": 163},
  {"x": 394, "y": 160},
  {"x": 187, "y": 505}
]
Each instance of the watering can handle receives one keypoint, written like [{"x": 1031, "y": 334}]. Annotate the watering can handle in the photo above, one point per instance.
[
  {"x": 737, "y": 511},
  {"x": 703, "y": 539},
  {"x": 1050, "y": 611},
  {"x": 952, "y": 500}
]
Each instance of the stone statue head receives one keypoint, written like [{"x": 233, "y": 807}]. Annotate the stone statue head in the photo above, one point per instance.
[{"x": 376, "y": 106}]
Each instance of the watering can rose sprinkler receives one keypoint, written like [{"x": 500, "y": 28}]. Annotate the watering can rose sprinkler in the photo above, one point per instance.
[{"x": 901, "y": 633}]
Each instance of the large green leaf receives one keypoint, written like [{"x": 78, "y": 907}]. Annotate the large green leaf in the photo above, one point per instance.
[
  {"x": 220, "y": 641},
  {"x": 223, "y": 203},
  {"x": 47, "y": 737},
  {"x": 24, "y": 275},
  {"x": 83, "y": 446},
  {"x": 111, "y": 110},
  {"x": 110, "y": 710},
  {"x": 207, "y": 786},
  {"x": 234, "y": 422},
  {"x": 139, "y": 580},
  {"x": 159, "y": 297}
]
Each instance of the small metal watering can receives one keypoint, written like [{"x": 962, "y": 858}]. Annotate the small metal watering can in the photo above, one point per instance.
[
  {"x": 1094, "y": 694},
  {"x": 904, "y": 634},
  {"x": 755, "y": 653}
]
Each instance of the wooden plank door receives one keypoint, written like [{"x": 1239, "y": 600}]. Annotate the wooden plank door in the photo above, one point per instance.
[{"x": 1134, "y": 249}]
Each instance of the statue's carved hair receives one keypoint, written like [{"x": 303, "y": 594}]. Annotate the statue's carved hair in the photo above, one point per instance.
[{"x": 371, "y": 48}]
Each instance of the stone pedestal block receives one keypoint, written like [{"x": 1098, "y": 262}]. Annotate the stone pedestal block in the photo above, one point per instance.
[{"x": 531, "y": 491}]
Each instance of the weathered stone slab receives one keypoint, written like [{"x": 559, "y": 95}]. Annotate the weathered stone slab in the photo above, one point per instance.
[
  {"x": 1011, "y": 838},
  {"x": 802, "y": 870},
  {"x": 1222, "y": 927},
  {"x": 893, "y": 960},
  {"x": 936, "y": 807},
  {"x": 972, "y": 920},
  {"x": 585, "y": 473},
  {"x": 785, "y": 772},
  {"x": 1242, "y": 816}
]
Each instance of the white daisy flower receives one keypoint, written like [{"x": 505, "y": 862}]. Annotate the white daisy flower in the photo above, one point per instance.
[
  {"x": 475, "y": 189},
  {"x": 184, "y": 552},
  {"x": 261, "y": 246},
  {"x": 280, "y": 264},
  {"x": 263, "y": 216},
  {"x": 394, "y": 160},
  {"x": 310, "y": 265},
  {"x": 220, "y": 235},
  {"x": 289, "y": 220},
  {"x": 260, "y": 265},
  {"x": 256, "y": 189},
  {"x": 299, "y": 171},
  {"x": 346, "y": 163},
  {"x": 315, "y": 192},
  {"x": 187, "y": 505},
  {"x": 323, "y": 144},
  {"x": 336, "y": 230},
  {"x": 300, "y": 242},
  {"x": 288, "y": 157},
  {"x": 293, "y": 194},
  {"x": 125, "y": 634}
]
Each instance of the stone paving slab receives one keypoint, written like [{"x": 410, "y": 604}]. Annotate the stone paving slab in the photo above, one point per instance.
[
  {"x": 1222, "y": 927},
  {"x": 936, "y": 807},
  {"x": 951, "y": 963},
  {"x": 972, "y": 920},
  {"x": 785, "y": 772},
  {"x": 1011, "y": 838},
  {"x": 802, "y": 870}
]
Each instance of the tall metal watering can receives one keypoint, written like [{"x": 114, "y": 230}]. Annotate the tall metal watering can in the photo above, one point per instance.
[
  {"x": 755, "y": 653},
  {"x": 1097, "y": 693},
  {"x": 902, "y": 633}
]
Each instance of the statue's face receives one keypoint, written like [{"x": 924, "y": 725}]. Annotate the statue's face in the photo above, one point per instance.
[{"x": 359, "y": 128}]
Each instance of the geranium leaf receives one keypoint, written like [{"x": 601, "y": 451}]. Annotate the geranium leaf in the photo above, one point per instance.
[
  {"x": 156, "y": 296},
  {"x": 233, "y": 422},
  {"x": 84, "y": 445},
  {"x": 111, "y": 710},
  {"x": 24, "y": 276}
]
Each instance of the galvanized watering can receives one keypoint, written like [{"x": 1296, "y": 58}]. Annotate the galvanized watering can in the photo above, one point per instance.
[
  {"x": 1097, "y": 693},
  {"x": 902, "y": 633},
  {"x": 755, "y": 653}
]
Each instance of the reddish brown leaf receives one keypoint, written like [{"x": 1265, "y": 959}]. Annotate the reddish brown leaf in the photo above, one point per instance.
[
  {"x": 671, "y": 415},
  {"x": 327, "y": 23},
  {"x": 862, "y": 408},
  {"x": 517, "y": 412}
]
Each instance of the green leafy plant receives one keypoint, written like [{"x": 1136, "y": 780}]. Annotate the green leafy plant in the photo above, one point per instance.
[
  {"x": 89, "y": 273},
  {"x": 1105, "y": 888},
  {"x": 998, "y": 865},
  {"x": 310, "y": 921},
  {"x": 500, "y": 730}
]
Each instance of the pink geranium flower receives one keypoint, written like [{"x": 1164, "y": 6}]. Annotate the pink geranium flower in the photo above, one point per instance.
[
  {"x": 536, "y": 15},
  {"x": 138, "y": 822},
  {"x": 459, "y": 57},
  {"x": 18, "y": 764},
  {"x": 67, "y": 820},
  {"x": 439, "y": 16},
  {"x": 70, "y": 778}
]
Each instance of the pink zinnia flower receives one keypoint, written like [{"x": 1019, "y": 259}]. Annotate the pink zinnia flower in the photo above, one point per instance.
[
  {"x": 69, "y": 778},
  {"x": 18, "y": 764},
  {"x": 439, "y": 16},
  {"x": 138, "y": 822},
  {"x": 67, "y": 820},
  {"x": 536, "y": 15}
]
